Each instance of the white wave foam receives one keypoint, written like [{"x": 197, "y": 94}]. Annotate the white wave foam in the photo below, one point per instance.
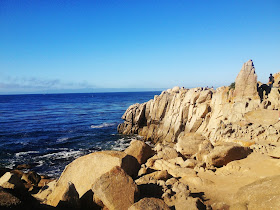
[
  {"x": 54, "y": 149},
  {"x": 122, "y": 144},
  {"x": 63, "y": 155},
  {"x": 40, "y": 163},
  {"x": 25, "y": 153},
  {"x": 103, "y": 125},
  {"x": 10, "y": 165},
  {"x": 62, "y": 139}
]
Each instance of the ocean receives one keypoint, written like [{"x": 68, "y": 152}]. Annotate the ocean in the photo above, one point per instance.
[{"x": 48, "y": 131}]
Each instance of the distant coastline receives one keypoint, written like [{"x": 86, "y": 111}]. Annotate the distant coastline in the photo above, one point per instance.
[{"x": 91, "y": 90}]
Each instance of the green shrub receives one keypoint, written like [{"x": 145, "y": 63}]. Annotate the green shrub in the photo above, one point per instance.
[{"x": 232, "y": 86}]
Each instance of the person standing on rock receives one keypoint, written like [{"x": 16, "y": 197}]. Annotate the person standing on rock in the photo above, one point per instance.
[{"x": 270, "y": 81}]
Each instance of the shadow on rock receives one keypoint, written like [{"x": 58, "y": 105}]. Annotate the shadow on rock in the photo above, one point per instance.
[
  {"x": 87, "y": 201},
  {"x": 150, "y": 190}
]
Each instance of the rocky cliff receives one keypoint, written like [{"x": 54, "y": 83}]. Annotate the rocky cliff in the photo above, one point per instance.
[{"x": 223, "y": 114}]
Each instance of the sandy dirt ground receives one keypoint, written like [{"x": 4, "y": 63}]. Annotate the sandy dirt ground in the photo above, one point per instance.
[{"x": 218, "y": 188}]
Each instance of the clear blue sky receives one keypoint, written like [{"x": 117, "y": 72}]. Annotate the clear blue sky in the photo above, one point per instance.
[{"x": 63, "y": 44}]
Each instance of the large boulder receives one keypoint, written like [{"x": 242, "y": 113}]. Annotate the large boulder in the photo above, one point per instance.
[
  {"x": 204, "y": 149},
  {"x": 9, "y": 201},
  {"x": 13, "y": 194},
  {"x": 224, "y": 153},
  {"x": 84, "y": 172},
  {"x": 11, "y": 181},
  {"x": 70, "y": 198},
  {"x": 246, "y": 82},
  {"x": 140, "y": 150},
  {"x": 45, "y": 191},
  {"x": 149, "y": 204},
  {"x": 115, "y": 189},
  {"x": 134, "y": 118},
  {"x": 188, "y": 143},
  {"x": 171, "y": 168},
  {"x": 157, "y": 175},
  {"x": 261, "y": 194},
  {"x": 166, "y": 152},
  {"x": 31, "y": 177}
]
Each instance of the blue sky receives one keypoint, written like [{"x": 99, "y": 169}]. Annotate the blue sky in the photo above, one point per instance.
[{"x": 89, "y": 45}]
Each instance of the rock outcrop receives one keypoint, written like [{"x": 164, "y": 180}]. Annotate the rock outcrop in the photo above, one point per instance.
[
  {"x": 218, "y": 115},
  {"x": 149, "y": 204},
  {"x": 170, "y": 181},
  {"x": 115, "y": 189},
  {"x": 85, "y": 171},
  {"x": 224, "y": 153},
  {"x": 246, "y": 82},
  {"x": 188, "y": 143},
  {"x": 140, "y": 150},
  {"x": 262, "y": 194},
  {"x": 203, "y": 135},
  {"x": 11, "y": 181},
  {"x": 14, "y": 195},
  {"x": 9, "y": 201}
]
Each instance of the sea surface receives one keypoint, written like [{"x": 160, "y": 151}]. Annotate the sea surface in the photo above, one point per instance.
[{"x": 48, "y": 131}]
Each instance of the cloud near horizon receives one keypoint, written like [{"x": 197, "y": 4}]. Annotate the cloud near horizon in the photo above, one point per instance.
[{"x": 12, "y": 84}]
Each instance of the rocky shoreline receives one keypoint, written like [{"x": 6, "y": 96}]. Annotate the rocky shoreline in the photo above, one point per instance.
[{"x": 214, "y": 149}]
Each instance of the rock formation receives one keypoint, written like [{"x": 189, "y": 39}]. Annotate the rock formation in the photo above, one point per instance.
[
  {"x": 91, "y": 168},
  {"x": 149, "y": 204},
  {"x": 115, "y": 189},
  {"x": 223, "y": 114},
  {"x": 246, "y": 82},
  {"x": 260, "y": 194}
]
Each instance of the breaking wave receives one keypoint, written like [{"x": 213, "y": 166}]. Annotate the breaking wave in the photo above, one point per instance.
[
  {"x": 103, "y": 125},
  {"x": 25, "y": 153}
]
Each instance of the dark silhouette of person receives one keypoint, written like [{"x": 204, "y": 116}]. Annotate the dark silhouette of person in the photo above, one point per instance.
[{"x": 270, "y": 81}]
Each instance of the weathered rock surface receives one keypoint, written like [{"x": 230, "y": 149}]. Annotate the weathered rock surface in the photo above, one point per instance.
[
  {"x": 70, "y": 198},
  {"x": 84, "y": 172},
  {"x": 9, "y": 201},
  {"x": 115, "y": 189},
  {"x": 224, "y": 153},
  {"x": 11, "y": 181},
  {"x": 166, "y": 153},
  {"x": 223, "y": 114},
  {"x": 262, "y": 194},
  {"x": 13, "y": 194},
  {"x": 171, "y": 168},
  {"x": 246, "y": 82},
  {"x": 212, "y": 130},
  {"x": 31, "y": 177},
  {"x": 140, "y": 150},
  {"x": 43, "y": 194},
  {"x": 157, "y": 175},
  {"x": 188, "y": 143},
  {"x": 149, "y": 204}
]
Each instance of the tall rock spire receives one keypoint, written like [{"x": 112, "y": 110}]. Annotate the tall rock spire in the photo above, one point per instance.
[{"x": 246, "y": 82}]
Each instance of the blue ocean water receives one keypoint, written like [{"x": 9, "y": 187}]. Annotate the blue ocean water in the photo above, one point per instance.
[{"x": 49, "y": 131}]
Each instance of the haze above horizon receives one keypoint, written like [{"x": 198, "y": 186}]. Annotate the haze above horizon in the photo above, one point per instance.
[{"x": 86, "y": 45}]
